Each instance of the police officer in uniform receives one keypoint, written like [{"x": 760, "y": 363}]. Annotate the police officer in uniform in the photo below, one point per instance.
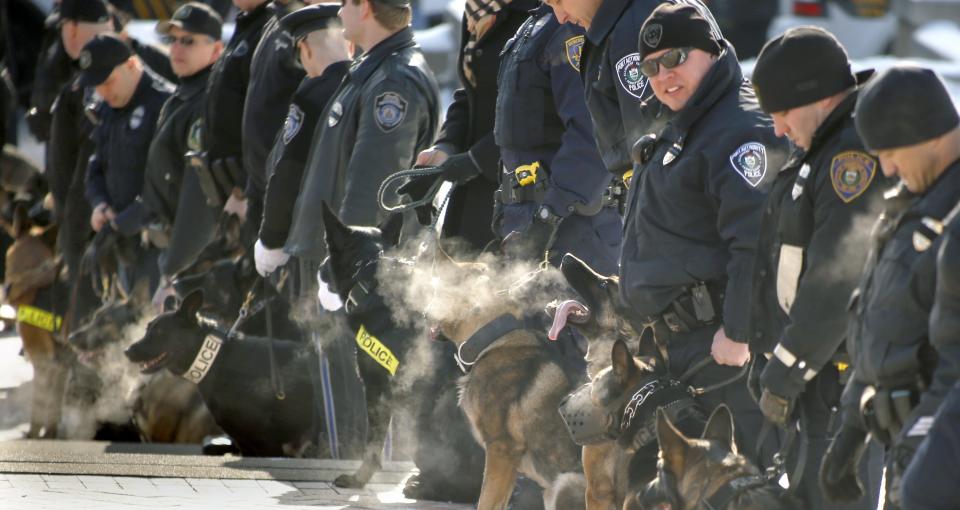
[
  {"x": 224, "y": 177},
  {"x": 384, "y": 113},
  {"x": 316, "y": 33},
  {"x": 553, "y": 180},
  {"x": 812, "y": 243},
  {"x": 115, "y": 171},
  {"x": 694, "y": 210},
  {"x": 618, "y": 96},
  {"x": 907, "y": 118},
  {"x": 932, "y": 481},
  {"x": 181, "y": 222}
]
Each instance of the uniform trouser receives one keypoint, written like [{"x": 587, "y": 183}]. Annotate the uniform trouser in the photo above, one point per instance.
[
  {"x": 593, "y": 239},
  {"x": 932, "y": 481},
  {"x": 344, "y": 407}
]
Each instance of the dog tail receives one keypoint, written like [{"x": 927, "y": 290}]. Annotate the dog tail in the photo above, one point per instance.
[{"x": 569, "y": 492}]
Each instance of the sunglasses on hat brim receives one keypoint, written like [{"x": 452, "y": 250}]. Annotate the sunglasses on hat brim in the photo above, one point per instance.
[{"x": 672, "y": 58}]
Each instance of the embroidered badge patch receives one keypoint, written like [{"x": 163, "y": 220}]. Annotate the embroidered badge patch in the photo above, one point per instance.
[
  {"x": 336, "y": 111},
  {"x": 136, "y": 118},
  {"x": 240, "y": 50},
  {"x": 195, "y": 135},
  {"x": 574, "y": 47},
  {"x": 291, "y": 126},
  {"x": 628, "y": 72},
  {"x": 376, "y": 350},
  {"x": 750, "y": 161},
  {"x": 389, "y": 109},
  {"x": 85, "y": 59},
  {"x": 851, "y": 172},
  {"x": 652, "y": 34}
]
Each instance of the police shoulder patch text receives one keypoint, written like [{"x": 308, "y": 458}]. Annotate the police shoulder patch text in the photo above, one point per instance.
[
  {"x": 851, "y": 172},
  {"x": 750, "y": 161},
  {"x": 292, "y": 124},
  {"x": 389, "y": 110},
  {"x": 628, "y": 74},
  {"x": 574, "y": 47}
]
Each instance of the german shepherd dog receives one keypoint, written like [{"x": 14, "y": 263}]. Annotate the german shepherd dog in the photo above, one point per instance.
[
  {"x": 31, "y": 270},
  {"x": 708, "y": 472},
  {"x": 234, "y": 378},
  {"x": 167, "y": 409}
]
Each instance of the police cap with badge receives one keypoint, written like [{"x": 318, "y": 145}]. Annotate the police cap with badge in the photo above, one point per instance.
[
  {"x": 673, "y": 26},
  {"x": 802, "y": 66},
  {"x": 100, "y": 57},
  {"x": 301, "y": 22},
  {"x": 84, "y": 11},
  {"x": 196, "y": 18}
]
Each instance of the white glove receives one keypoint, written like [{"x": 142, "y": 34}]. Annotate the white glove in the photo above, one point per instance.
[
  {"x": 268, "y": 259},
  {"x": 329, "y": 300}
]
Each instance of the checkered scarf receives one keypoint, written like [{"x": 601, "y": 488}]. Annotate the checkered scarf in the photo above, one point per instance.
[{"x": 480, "y": 17}]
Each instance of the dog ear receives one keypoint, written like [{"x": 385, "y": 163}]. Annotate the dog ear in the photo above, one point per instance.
[
  {"x": 335, "y": 232},
  {"x": 192, "y": 303},
  {"x": 623, "y": 365},
  {"x": 170, "y": 304},
  {"x": 720, "y": 428},
  {"x": 390, "y": 229},
  {"x": 21, "y": 222},
  {"x": 673, "y": 445}
]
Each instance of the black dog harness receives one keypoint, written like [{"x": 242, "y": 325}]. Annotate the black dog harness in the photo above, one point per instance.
[{"x": 470, "y": 351}]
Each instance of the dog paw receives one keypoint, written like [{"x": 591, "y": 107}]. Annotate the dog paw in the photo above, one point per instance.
[{"x": 348, "y": 482}]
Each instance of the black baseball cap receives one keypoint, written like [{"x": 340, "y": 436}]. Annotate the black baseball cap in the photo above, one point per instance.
[
  {"x": 196, "y": 18},
  {"x": 85, "y": 11},
  {"x": 802, "y": 66},
  {"x": 302, "y": 21},
  {"x": 677, "y": 26},
  {"x": 100, "y": 57},
  {"x": 902, "y": 106}
]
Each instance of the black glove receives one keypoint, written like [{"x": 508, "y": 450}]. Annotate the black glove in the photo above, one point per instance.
[
  {"x": 533, "y": 242},
  {"x": 839, "y": 479},
  {"x": 776, "y": 409},
  {"x": 899, "y": 459},
  {"x": 458, "y": 169}
]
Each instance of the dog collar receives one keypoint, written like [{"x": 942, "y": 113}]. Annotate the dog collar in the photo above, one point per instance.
[
  {"x": 724, "y": 496},
  {"x": 470, "y": 351},
  {"x": 204, "y": 360}
]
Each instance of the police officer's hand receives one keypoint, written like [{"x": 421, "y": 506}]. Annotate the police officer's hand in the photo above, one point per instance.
[
  {"x": 534, "y": 243},
  {"x": 775, "y": 408},
  {"x": 726, "y": 351},
  {"x": 839, "y": 479},
  {"x": 99, "y": 217},
  {"x": 268, "y": 260},
  {"x": 236, "y": 205},
  {"x": 899, "y": 459},
  {"x": 433, "y": 156}
]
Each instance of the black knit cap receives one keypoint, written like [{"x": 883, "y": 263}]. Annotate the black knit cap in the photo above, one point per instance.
[
  {"x": 301, "y": 22},
  {"x": 99, "y": 57},
  {"x": 196, "y": 18},
  {"x": 804, "y": 65},
  {"x": 84, "y": 11},
  {"x": 676, "y": 26},
  {"x": 904, "y": 105}
]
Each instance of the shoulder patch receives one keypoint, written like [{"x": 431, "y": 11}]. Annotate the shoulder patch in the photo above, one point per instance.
[
  {"x": 574, "y": 47},
  {"x": 195, "y": 135},
  {"x": 628, "y": 74},
  {"x": 389, "y": 110},
  {"x": 851, "y": 172},
  {"x": 241, "y": 49},
  {"x": 750, "y": 161},
  {"x": 293, "y": 123}
]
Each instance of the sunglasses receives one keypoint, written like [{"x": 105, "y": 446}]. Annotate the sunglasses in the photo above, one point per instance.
[
  {"x": 185, "y": 41},
  {"x": 672, "y": 58}
]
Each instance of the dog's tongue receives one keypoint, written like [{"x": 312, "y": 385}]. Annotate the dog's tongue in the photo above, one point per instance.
[{"x": 560, "y": 316}]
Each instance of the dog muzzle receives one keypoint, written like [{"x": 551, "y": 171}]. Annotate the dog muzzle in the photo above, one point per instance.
[{"x": 588, "y": 422}]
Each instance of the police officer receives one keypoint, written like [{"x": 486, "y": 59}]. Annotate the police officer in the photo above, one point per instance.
[
  {"x": 812, "y": 243},
  {"x": 222, "y": 125},
  {"x": 694, "y": 210},
  {"x": 907, "y": 118},
  {"x": 181, "y": 222},
  {"x": 274, "y": 76},
  {"x": 932, "y": 481},
  {"x": 465, "y": 148},
  {"x": 553, "y": 179},
  {"x": 317, "y": 34},
  {"x": 382, "y": 115},
  {"x": 619, "y": 98}
]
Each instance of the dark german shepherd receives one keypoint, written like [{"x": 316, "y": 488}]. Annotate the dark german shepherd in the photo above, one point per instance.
[
  {"x": 234, "y": 378},
  {"x": 708, "y": 472}
]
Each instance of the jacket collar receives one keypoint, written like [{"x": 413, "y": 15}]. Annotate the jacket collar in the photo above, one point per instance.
[
  {"x": 145, "y": 83},
  {"x": 245, "y": 19},
  {"x": 605, "y": 19},
  {"x": 192, "y": 85},
  {"x": 369, "y": 61}
]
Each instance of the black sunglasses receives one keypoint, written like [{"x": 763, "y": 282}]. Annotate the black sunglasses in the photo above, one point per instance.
[
  {"x": 672, "y": 58},
  {"x": 185, "y": 41}
]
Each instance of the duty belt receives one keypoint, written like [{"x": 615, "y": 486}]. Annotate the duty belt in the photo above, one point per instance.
[
  {"x": 511, "y": 192},
  {"x": 700, "y": 305}
]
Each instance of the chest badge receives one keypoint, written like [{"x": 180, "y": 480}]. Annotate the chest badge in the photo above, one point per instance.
[
  {"x": 574, "y": 47},
  {"x": 801, "y": 179},
  {"x": 136, "y": 118},
  {"x": 336, "y": 111},
  {"x": 851, "y": 172},
  {"x": 750, "y": 161}
]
